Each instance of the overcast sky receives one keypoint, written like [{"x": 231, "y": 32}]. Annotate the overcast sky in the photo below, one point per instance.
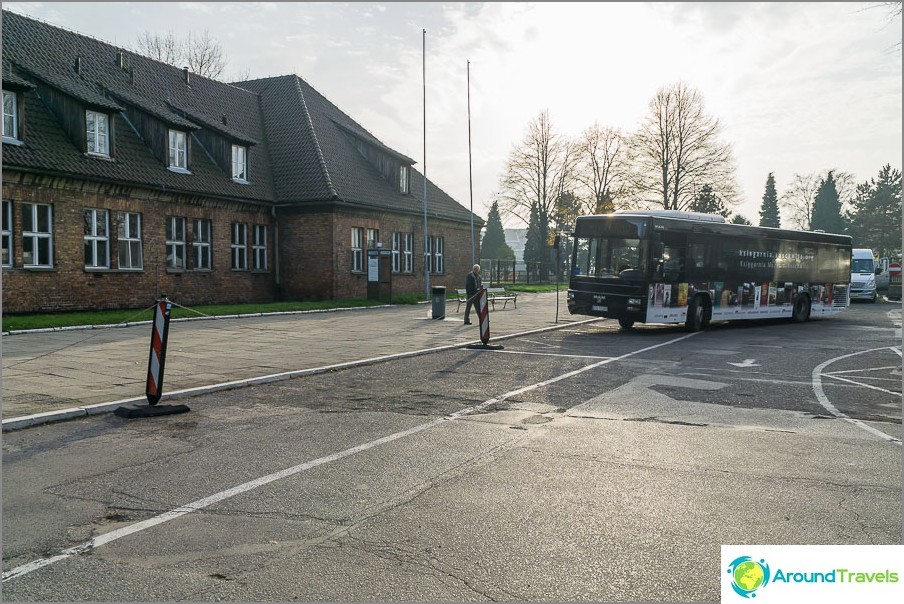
[{"x": 799, "y": 87}]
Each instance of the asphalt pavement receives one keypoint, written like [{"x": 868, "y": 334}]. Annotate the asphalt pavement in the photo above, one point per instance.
[{"x": 63, "y": 374}]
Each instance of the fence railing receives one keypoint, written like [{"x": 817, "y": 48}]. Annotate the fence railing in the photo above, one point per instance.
[{"x": 513, "y": 272}]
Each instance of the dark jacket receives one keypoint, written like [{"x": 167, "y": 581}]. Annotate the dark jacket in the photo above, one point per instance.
[{"x": 472, "y": 284}]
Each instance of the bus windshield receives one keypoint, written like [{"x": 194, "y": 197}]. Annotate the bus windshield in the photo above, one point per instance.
[{"x": 616, "y": 258}]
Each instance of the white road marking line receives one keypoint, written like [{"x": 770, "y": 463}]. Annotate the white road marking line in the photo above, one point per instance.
[
  {"x": 199, "y": 504},
  {"x": 841, "y": 379},
  {"x": 824, "y": 400},
  {"x": 861, "y": 370}
]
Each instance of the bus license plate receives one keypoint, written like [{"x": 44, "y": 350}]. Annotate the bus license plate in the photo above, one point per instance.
[{"x": 599, "y": 308}]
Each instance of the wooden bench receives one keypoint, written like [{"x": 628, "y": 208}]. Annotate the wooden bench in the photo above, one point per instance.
[
  {"x": 499, "y": 294},
  {"x": 493, "y": 294}
]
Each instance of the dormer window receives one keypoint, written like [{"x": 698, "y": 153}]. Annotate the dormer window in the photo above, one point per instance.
[
  {"x": 178, "y": 151},
  {"x": 403, "y": 179},
  {"x": 239, "y": 163},
  {"x": 10, "y": 115},
  {"x": 97, "y": 129}
]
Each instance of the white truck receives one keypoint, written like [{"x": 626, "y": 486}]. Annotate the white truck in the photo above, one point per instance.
[{"x": 863, "y": 275}]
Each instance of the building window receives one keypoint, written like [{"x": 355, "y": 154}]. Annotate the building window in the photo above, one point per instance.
[
  {"x": 259, "y": 247},
  {"x": 239, "y": 163},
  {"x": 239, "y": 246},
  {"x": 10, "y": 115},
  {"x": 178, "y": 151},
  {"x": 37, "y": 235},
  {"x": 7, "y": 233},
  {"x": 401, "y": 252},
  {"x": 439, "y": 265},
  {"x": 373, "y": 237},
  {"x": 357, "y": 250},
  {"x": 200, "y": 244},
  {"x": 396, "y": 252},
  {"x": 403, "y": 179},
  {"x": 98, "y": 133},
  {"x": 129, "y": 237},
  {"x": 175, "y": 242},
  {"x": 97, "y": 238},
  {"x": 407, "y": 251}
]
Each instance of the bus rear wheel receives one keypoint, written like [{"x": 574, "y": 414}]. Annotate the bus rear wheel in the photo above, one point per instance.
[
  {"x": 801, "y": 310},
  {"x": 626, "y": 323},
  {"x": 698, "y": 314}
]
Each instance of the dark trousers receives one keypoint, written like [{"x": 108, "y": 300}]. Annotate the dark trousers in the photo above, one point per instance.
[{"x": 472, "y": 301}]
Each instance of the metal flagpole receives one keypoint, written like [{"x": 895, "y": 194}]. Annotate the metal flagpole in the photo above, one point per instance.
[
  {"x": 470, "y": 176},
  {"x": 426, "y": 241}
]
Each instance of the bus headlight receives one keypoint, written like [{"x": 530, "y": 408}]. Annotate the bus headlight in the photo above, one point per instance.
[
  {"x": 570, "y": 295},
  {"x": 634, "y": 301}
]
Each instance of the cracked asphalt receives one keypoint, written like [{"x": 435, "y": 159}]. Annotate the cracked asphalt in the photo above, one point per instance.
[{"x": 572, "y": 465}]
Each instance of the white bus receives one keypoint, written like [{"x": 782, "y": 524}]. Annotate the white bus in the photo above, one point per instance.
[{"x": 664, "y": 266}]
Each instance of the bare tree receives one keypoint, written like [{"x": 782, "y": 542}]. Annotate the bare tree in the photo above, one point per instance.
[
  {"x": 677, "y": 150},
  {"x": 166, "y": 49},
  {"x": 539, "y": 170},
  {"x": 202, "y": 54},
  {"x": 797, "y": 201},
  {"x": 601, "y": 170}
]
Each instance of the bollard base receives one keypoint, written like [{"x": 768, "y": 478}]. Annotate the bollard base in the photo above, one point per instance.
[
  {"x": 485, "y": 346},
  {"x": 133, "y": 411}
]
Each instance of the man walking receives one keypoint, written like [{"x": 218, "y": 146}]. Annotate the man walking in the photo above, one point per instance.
[{"x": 472, "y": 286}]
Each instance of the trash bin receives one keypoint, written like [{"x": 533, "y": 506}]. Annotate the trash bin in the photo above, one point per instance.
[{"x": 438, "y": 293}]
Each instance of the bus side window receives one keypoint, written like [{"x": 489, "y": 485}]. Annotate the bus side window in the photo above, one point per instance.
[{"x": 672, "y": 267}]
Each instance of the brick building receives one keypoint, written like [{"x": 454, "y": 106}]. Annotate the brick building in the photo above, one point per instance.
[{"x": 125, "y": 178}]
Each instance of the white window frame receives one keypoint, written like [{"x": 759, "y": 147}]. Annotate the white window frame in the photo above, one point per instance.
[
  {"x": 373, "y": 238},
  {"x": 396, "y": 252},
  {"x": 202, "y": 234},
  {"x": 97, "y": 133},
  {"x": 239, "y": 246},
  {"x": 259, "y": 247},
  {"x": 128, "y": 236},
  {"x": 408, "y": 253},
  {"x": 178, "y": 154},
  {"x": 439, "y": 264},
  {"x": 357, "y": 249},
  {"x": 239, "y": 163},
  {"x": 32, "y": 239},
  {"x": 175, "y": 242},
  {"x": 404, "y": 179},
  {"x": 11, "y": 134},
  {"x": 7, "y": 233},
  {"x": 97, "y": 238}
]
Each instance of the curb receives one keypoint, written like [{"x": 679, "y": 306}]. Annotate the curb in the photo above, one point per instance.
[{"x": 28, "y": 421}]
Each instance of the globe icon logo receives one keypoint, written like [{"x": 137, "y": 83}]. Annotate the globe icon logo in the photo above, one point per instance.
[{"x": 748, "y": 575}]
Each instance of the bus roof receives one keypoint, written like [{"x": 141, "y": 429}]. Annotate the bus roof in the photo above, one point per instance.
[{"x": 704, "y": 223}]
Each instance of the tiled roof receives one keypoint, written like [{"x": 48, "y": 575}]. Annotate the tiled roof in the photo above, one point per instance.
[{"x": 302, "y": 151}]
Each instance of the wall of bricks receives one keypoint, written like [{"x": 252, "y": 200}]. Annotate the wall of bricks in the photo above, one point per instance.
[
  {"x": 314, "y": 260},
  {"x": 70, "y": 286}
]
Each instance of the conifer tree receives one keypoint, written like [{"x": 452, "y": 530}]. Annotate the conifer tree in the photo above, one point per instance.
[
  {"x": 493, "y": 245},
  {"x": 827, "y": 208},
  {"x": 769, "y": 216}
]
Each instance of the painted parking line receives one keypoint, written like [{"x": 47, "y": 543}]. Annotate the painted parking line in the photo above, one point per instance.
[
  {"x": 827, "y": 404},
  {"x": 205, "y": 502}
]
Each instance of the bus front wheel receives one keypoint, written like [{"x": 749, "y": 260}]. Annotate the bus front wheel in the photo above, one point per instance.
[
  {"x": 626, "y": 323},
  {"x": 698, "y": 314},
  {"x": 801, "y": 310}
]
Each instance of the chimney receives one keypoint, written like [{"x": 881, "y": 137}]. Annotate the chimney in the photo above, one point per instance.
[
  {"x": 120, "y": 59},
  {"x": 78, "y": 65},
  {"x": 131, "y": 76},
  {"x": 185, "y": 74}
]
